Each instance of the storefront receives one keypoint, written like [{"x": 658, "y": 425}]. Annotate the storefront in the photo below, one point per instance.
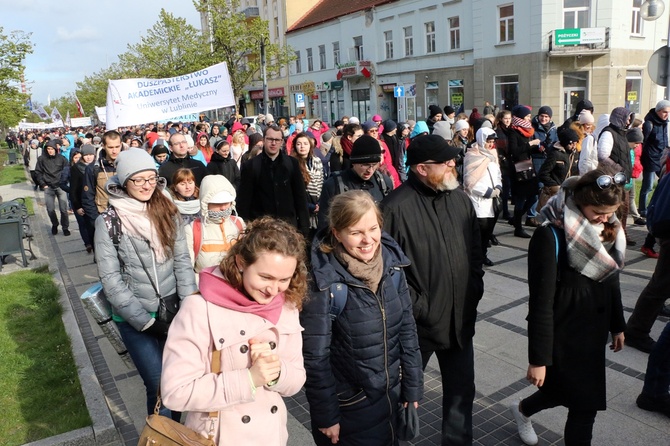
[{"x": 276, "y": 105}]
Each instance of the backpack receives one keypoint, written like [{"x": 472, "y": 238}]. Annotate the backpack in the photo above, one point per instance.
[
  {"x": 341, "y": 187},
  {"x": 197, "y": 233},
  {"x": 658, "y": 211},
  {"x": 339, "y": 291},
  {"x": 113, "y": 224}
]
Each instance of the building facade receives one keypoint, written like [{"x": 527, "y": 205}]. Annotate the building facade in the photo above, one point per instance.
[{"x": 395, "y": 58}]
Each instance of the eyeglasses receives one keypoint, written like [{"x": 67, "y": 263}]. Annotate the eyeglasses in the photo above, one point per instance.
[
  {"x": 142, "y": 181},
  {"x": 178, "y": 143},
  {"x": 605, "y": 181},
  {"x": 436, "y": 162},
  {"x": 274, "y": 140}
]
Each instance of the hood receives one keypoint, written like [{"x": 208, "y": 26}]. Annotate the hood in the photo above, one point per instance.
[
  {"x": 483, "y": 134},
  {"x": 653, "y": 117},
  {"x": 419, "y": 128},
  {"x": 212, "y": 185},
  {"x": 619, "y": 116},
  {"x": 603, "y": 121}
]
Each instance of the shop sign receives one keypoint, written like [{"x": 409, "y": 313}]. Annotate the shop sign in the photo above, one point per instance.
[
  {"x": 388, "y": 88},
  {"x": 272, "y": 93},
  {"x": 579, "y": 36}
]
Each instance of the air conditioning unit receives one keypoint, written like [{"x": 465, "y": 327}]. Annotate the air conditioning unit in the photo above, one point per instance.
[{"x": 251, "y": 11}]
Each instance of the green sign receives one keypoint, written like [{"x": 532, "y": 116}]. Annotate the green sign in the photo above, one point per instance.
[
  {"x": 337, "y": 85},
  {"x": 567, "y": 36},
  {"x": 579, "y": 36}
]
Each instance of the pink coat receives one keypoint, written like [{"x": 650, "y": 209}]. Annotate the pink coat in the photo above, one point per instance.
[{"x": 187, "y": 384}]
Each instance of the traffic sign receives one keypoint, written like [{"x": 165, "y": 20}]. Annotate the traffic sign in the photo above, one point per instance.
[
  {"x": 300, "y": 99},
  {"x": 657, "y": 67},
  {"x": 399, "y": 92}
]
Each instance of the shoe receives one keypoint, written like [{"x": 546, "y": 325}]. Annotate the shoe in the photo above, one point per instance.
[
  {"x": 665, "y": 311},
  {"x": 630, "y": 242},
  {"x": 523, "y": 425},
  {"x": 641, "y": 221},
  {"x": 66, "y": 232},
  {"x": 54, "y": 230},
  {"x": 649, "y": 252},
  {"x": 654, "y": 404},
  {"x": 532, "y": 222},
  {"x": 521, "y": 233},
  {"x": 488, "y": 244},
  {"x": 643, "y": 344},
  {"x": 89, "y": 249},
  {"x": 494, "y": 240},
  {"x": 487, "y": 262},
  {"x": 510, "y": 221}
]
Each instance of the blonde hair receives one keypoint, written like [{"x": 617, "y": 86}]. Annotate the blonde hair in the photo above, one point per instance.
[{"x": 347, "y": 209}]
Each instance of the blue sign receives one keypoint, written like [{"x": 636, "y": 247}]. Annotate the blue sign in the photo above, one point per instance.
[
  {"x": 300, "y": 99},
  {"x": 399, "y": 92}
]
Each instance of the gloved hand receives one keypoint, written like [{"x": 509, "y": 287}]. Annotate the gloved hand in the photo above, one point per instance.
[
  {"x": 495, "y": 193},
  {"x": 158, "y": 329}
]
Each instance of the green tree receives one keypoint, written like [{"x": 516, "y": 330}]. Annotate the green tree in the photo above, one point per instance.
[
  {"x": 172, "y": 47},
  {"x": 236, "y": 40},
  {"x": 13, "y": 50}
]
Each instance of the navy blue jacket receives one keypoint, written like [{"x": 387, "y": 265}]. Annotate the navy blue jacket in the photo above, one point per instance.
[{"x": 655, "y": 140}]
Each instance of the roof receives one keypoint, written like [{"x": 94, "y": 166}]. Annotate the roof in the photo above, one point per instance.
[{"x": 327, "y": 10}]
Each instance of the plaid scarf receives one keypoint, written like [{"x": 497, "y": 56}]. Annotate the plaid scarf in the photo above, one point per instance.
[{"x": 585, "y": 251}]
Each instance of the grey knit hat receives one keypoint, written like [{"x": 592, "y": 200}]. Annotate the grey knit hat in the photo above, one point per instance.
[
  {"x": 662, "y": 104},
  {"x": 87, "y": 149},
  {"x": 131, "y": 161}
]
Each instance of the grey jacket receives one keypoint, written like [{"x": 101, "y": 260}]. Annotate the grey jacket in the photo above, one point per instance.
[{"x": 128, "y": 288}]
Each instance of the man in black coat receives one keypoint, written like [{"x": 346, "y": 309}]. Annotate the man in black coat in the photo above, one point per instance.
[
  {"x": 435, "y": 224},
  {"x": 272, "y": 184},
  {"x": 179, "y": 158},
  {"x": 48, "y": 171}
]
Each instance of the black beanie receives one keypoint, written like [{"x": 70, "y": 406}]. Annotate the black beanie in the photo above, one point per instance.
[
  {"x": 449, "y": 110},
  {"x": 366, "y": 150},
  {"x": 434, "y": 110},
  {"x": 565, "y": 137},
  {"x": 389, "y": 125},
  {"x": 545, "y": 110}
]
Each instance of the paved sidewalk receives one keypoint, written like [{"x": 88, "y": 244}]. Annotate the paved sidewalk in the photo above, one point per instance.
[{"x": 500, "y": 351}]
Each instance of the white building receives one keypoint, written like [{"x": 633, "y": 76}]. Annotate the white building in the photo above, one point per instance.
[{"x": 452, "y": 52}]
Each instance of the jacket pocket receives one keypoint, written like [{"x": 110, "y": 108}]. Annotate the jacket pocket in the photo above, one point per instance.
[{"x": 350, "y": 397}]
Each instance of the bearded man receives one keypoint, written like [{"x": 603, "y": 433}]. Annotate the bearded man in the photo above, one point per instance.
[{"x": 435, "y": 224}]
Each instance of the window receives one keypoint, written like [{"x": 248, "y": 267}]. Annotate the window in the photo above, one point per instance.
[
  {"x": 298, "y": 63},
  {"x": 430, "y": 37},
  {"x": 358, "y": 47},
  {"x": 455, "y": 32},
  {"x": 576, "y": 13},
  {"x": 456, "y": 93},
  {"x": 432, "y": 90},
  {"x": 636, "y": 21},
  {"x": 409, "y": 41},
  {"x": 388, "y": 44},
  {"x": 506, "y": 23},
  {"x": 322, "y": 57},
  {"x": 336, "y": 53},
  {"x": 506, "y": 91},
  {"x": 310, "y": 61},
  {"x": 360, "y": 104},
  {"x": 633, "y": 90}
]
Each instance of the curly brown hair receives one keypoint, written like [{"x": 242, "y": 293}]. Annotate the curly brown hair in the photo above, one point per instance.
[{"x": 265, "y": 235}]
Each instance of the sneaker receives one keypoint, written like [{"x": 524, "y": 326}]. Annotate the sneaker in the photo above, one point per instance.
[
  {"x": 523, "y": 424},
  {"x": 643, "y": 344},
  {"x": 649, "y": 252},
  {"x": 54, "y": 230},
  {"x": 66, "y": 232},
  {"x": 654, "y": 404},
  {"x": 640, "y": 221}
]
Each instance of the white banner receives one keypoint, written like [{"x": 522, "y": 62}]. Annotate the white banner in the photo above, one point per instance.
[
  {"x": 80, "y": 122},
  {"x": 102, "y": 114},
  {"x": 138, "y": 101},
  {"x": 36, "y": 126}
]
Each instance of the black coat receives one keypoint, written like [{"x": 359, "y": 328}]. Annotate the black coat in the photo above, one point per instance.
[
  {"x": 361, "y": 352},
  {"x": 569, "y": 319},
  {"x": 519, "y": 149},
  {"x": 557, "y": 165},
  {"x": 49, "y": 168},
  {"x": 655, "y": 141},
  {"x": 439, "y": 233},
  {"x": 227, "y": 167},
  {"x": 275, "y": 188},
  {"x": 169, "y": 167}
]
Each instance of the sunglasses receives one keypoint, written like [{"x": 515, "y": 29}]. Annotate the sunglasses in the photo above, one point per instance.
[{"x": 605, "y": 181}]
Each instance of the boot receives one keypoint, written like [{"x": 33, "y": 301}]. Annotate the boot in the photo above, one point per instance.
[{"x": 518, "y": 229}]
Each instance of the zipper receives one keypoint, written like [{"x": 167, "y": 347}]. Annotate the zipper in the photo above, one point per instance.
[{"x": 153, "y": 262}]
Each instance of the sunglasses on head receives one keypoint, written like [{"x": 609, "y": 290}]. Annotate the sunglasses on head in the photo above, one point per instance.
[{"x": 605, "y": 181}]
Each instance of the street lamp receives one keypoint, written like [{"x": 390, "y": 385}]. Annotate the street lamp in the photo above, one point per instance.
[{"x": 651, "y": 10}]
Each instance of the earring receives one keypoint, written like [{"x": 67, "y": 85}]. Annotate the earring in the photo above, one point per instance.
[{"x": 241, "y": 271}]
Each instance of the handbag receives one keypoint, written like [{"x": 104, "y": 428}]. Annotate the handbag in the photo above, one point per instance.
[
  {"x": 524, "y": 170},
  {"x": 167, "y": 305},
  {"x": 164, "y": 431},
  {"x": 408, "y": 423}
]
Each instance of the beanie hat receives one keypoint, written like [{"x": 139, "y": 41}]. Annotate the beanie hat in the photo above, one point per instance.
[
  {"x": 449, "y": 110},
  {"x": 367, "y": 125},
  {"x": 662, "y": 104},
  {"x": 443, "y": 129},
  {"x": 567, "y": 136},
  {"x": 586, "y": 117},
  {"x": 326, "y": 136},
  {"x": 354, "y": 120},
  {"x": 365, "y": 150},
  {"x": 634, "y": 135},
  {"x": 97, "y": 140},
  {"x": 269, "y": 118},
  {"x": 460, "y": 125},
  {"x": 389, "y": 125},
  {"x": 376, "y": 118},
  {"x": 131, "y": 161},
  {"x": 434, "y": 110},
  {"x": 584, "y": 104},
  {"x": 521, "y": 111},
  {"x": 299, "y": 126},
  {"x": 34, "y": 141},
  {"x": 160, "y": 149},
  {"x": 545, "y": 110},
  {"x": 430, "y": 147},
  {"x": 87, "y": 149}
]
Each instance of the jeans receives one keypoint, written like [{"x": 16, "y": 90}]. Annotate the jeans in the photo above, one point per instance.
[
  {"x": 83, "y": 230},
  {"x": 537, "y": 165},
  {"x": 457, "y": 368},
  {"x": 50, "y": 195},
  {"x": 648, "y": 178},
  {"x": 146, "y": 352},
  {"x": 657, "y": 378},
  {"x": 578, "y": 428},
  {"x": 653, "y": 296}
]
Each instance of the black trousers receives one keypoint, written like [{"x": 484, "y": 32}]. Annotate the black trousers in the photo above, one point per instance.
[
  {"x": 486, "y": 226},
  {"x": 578, "y": 428},
  {"x": 457, "y": 368}
]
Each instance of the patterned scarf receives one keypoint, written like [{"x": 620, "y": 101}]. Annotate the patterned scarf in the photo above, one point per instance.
[
  {"x": 522, "y": 126},
  {"x": 475, "y": 165},
  {"x": 586, "y": 252}
]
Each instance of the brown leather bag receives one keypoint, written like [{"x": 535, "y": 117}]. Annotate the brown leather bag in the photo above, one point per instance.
[{"x": 163, "y": 431}]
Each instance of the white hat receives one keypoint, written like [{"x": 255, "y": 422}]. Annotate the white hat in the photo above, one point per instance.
[
  {"x": 269, "y": 118},
  {"x": 222, "y": 197},
  {"x": 460, "y": 125},
  {"x": 354, "y": 120}
]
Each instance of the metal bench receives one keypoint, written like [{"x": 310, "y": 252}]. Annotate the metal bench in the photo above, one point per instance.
[
  {"x": 12, "y": 157},
  {"x": 14, "y": 228}
]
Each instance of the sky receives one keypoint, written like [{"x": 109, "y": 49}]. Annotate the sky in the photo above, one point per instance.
[{"x": 76, "y": 38}]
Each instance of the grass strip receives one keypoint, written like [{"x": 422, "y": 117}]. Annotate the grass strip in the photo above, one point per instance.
[{"x": 39, "y": 388}]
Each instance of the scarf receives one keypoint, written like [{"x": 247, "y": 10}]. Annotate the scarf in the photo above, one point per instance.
[
  {"x": 346, "y": 144},
  {"x": 586, "y": 252},
  {"x": 135, "y": 221},
  {"x": 215, "y": 289},
  {"x": 188, "y": 207},
  {"x": 81, "y": 166},
  {"x": 522, "y": 126},
  {"x": 369, "y": 273},
  {"x": 475, "y": 165}
]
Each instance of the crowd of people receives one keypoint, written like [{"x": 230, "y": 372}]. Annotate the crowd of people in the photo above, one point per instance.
[{"x": 245, "y": 260}]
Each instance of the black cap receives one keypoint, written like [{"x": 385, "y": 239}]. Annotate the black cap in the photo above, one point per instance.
[
  {"x": 430, "y": 148},
  {"x": 565, "y": 137},
  {"x": 366, "y": 149}
]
